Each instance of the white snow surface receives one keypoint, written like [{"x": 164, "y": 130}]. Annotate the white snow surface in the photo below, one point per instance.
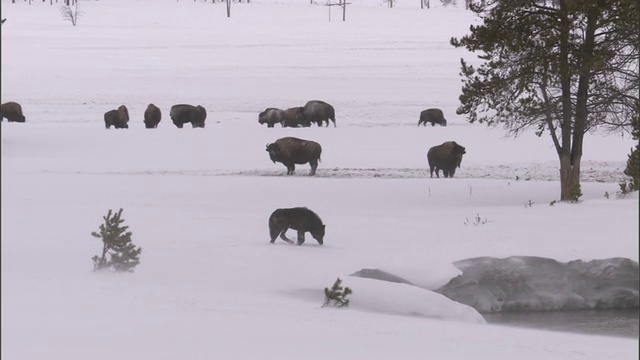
[{"x": 197, "y": 200}]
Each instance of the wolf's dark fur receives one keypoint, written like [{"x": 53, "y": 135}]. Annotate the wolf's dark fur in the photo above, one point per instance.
[{"x": 300, "y": 219}]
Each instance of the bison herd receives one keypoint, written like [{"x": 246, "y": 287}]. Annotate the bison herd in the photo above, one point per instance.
[
  {"x": 180, "y": 114},
  {"x": 313, "y": 112},
  {"x": 288, "y": 150}
]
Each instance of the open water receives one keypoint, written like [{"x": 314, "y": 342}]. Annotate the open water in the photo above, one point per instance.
[{"x": 620, "y": 323}]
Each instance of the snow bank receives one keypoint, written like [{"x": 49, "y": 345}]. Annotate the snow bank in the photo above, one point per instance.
[{"x": 404, "y": 299}]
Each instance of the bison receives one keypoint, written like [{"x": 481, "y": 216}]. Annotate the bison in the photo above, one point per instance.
[
  {"x": 300, "y": 219},
  {"x": 291, "y": 151},
  {"x": 152, "y": 116},
  {"x": 182, "y": 114},
  {"x": 434, "y": 116},
  {"x": 271, "y": 116},
  {"x": 119, "y": 118},
  {"x": 12, "y": 111},
  {"x": 292, "y": 117},
  {"x": 446, "y": 157},
  {"x": 316, "y": 111}
]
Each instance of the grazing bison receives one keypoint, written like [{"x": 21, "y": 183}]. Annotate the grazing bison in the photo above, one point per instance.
[
  {"x": 292, "y": 118},
  {"x": 182, "y": 114},
  {"x": 316, "y": 111},
  {"x": 152, "y": 117},
  {"x": 119, "y": 119},
  {"x": 12, "y": 111},
  {"x": 300, "y": 219},
  {"x": 446, "y": 157},
  {"x": 434, "y": 116},
  {"x": 291, "y": 151},
  {"x": 271, "y": 116}
]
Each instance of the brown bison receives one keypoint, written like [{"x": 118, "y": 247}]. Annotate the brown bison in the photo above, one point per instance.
[
  {"x": 292, "y": 117},
  {"x": 12, "y": 111},
  {"x": 300, "y": 219},
  {"x": 271, "y": 116},
  {"x": 291, "y": 151},
  {"x": 182, "y": 114},
  {"x": 119, "y": 118},
  {"x": 152, "y": 116},
  {"x": 446, "y": 157},
  {"x": 433, "y": 116},
  {"x": 316, "y": 111}
]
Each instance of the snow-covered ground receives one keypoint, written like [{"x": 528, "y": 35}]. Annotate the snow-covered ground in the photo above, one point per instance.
[{"x": 197, "y": 200}]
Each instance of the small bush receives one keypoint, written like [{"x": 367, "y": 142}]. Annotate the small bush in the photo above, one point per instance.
[
  {"x": 477, "y": 221},
  {"x": 575, "y": 193},
  {"x": 336, "y": 296},
  {"x": 116, "y": 242}
]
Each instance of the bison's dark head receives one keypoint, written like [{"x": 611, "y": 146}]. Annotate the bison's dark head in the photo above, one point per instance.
[
  {"x": 274, "y": 151},
  {"x": 457, "y": 152}
]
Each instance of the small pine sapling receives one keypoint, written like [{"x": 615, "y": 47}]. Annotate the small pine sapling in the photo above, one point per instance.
[
  {"x": 116, "y": 242},
  {"x": 336, "y": 296}
]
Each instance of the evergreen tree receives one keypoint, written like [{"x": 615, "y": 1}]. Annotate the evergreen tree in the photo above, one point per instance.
[
  {"x": 116, "y": 242},
  {"x": 565, "y": 67},
  {"x": 336, "y": 296}
]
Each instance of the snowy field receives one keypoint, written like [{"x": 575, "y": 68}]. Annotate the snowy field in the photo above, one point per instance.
[{"x": 197, "y": 200}]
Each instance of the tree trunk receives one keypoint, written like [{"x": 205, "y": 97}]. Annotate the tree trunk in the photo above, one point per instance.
[
  {"x": 567, "y": 169},
  {"x": 569, "y": 179}
]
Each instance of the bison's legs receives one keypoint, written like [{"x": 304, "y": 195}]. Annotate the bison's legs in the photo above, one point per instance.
[
  {"x": 334, "y": 122},
  {"x": 284, "y": 237},
  {"x": 291, "y": 168},
  {"x": 314, "y": 166},
  {"x": 300, "y": 237},
  {"x": 431, "y": 171}
]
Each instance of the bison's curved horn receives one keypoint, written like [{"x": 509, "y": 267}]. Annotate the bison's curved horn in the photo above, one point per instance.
[{"x": 268, "y": 144}]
